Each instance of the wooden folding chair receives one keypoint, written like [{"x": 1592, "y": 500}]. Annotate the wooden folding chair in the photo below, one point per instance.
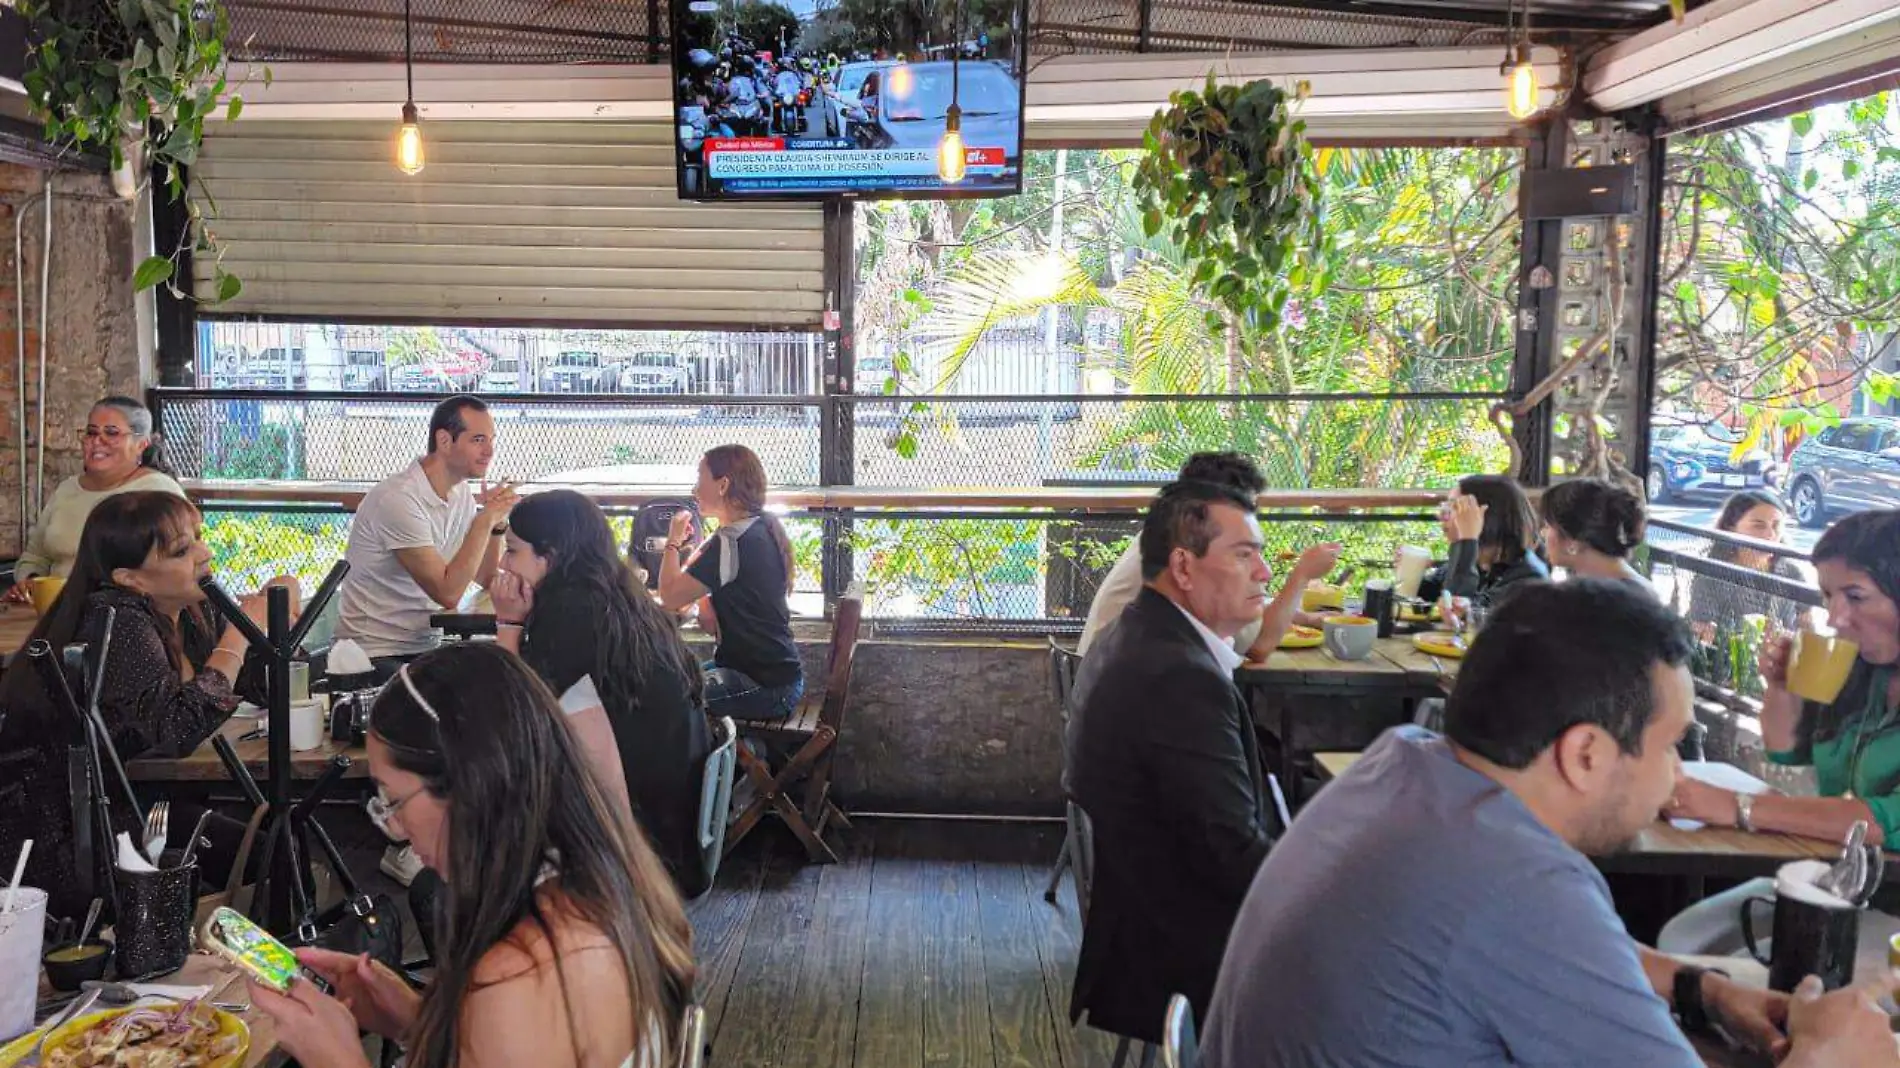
[{"x": 810, "y": 735}]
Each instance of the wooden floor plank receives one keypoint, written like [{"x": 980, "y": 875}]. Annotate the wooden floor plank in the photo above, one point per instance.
[
  {"x": 957, "y": 1028},
  {"x": 1058, "y": 930},
  {"x": 821, "y": 1017},
  {"x": 719, "y": 919},
  {"x": 751, "y": 1030},
  {"x": 1023, "y": 1019},
  {"x": 891, "y": 1007}
]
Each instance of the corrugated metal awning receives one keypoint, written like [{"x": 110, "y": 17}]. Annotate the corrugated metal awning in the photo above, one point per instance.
[{"x": 553, "y": 222}]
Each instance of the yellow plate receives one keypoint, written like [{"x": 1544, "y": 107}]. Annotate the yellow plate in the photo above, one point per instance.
[
  {"x": 14, "y": 1052},
  {"x": 1439, "y": 643},
  {"x": 1293, "y": 639},
  {"x": 1410, "y": 615}
]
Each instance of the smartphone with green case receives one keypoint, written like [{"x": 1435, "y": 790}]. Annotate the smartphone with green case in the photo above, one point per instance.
[{"x": 231, "y": 935}]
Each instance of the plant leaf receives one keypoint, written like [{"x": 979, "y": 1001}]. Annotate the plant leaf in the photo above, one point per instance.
[{"x": 151, "y": 272}]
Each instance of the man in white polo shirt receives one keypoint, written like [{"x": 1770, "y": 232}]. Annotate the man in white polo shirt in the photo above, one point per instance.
[{"x": 421, "y": 536}]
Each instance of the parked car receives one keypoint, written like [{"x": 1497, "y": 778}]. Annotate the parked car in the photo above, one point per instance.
[
  {"x": 503, "y": 376},
  {"x": 841, "y": 96},
  {"x": 657, "y": 372},
  {"x": 1700, "y": 461},
  {"x": 415, "y": 378},
  {"x": 580, "y": 372},
  {"x": 1845, "y": 468}
]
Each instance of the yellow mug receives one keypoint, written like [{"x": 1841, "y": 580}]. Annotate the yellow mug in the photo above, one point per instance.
[
  {"x": 42, "y": 591},
  {"x": 1319, "y": 597},
  {"x": 1818, "y": 666}
]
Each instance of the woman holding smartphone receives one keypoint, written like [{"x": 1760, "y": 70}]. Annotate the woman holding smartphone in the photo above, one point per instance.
[{"x": 564, "y": 943}]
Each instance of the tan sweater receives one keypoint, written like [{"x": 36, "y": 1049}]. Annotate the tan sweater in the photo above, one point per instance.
[{"x": 54, "y": 539}]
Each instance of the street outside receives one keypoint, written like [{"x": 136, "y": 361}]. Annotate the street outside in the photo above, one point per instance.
[{"x": 1704, "y": 515}]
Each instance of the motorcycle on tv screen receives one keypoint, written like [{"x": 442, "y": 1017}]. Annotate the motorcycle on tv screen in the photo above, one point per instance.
[{"x": 770, "y": 104}]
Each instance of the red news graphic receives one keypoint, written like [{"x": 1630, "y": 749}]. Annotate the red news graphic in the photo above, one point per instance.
[{"x": 744, "y": 144}]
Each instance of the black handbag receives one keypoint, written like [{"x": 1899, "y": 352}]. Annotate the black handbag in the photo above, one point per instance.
[{"x": 363, "y": 923}]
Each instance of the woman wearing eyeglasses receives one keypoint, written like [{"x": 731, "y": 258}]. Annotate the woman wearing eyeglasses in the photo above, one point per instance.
[
  {"x": 563, "y": 945},
  {"x": 121, "y": 454}
]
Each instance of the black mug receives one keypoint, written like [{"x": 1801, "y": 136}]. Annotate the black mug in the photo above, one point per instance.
[
  {"x": 1381, "y": 606},
  {"x": 1809, "y": 939},
  {"x": 153, "y": 931}
]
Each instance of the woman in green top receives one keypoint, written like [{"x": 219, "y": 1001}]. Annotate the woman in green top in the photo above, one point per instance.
[{"x": 1853, "y": 743}]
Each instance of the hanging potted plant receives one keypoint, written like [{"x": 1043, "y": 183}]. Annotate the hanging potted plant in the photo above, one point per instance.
[
  {"x": 1226, "y": 170},
  {"x": 135, "y": 80}
]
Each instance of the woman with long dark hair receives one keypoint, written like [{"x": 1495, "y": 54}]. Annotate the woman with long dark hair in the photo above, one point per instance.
[
  {"x": 1492, "y": 530},
  {"x": 1591, "y": 527},
  {"x": 120, "y": 455},
  {"x": 1716, "y": 605},
  {"x": 563, "y": 944},
  {"x": 569, "y": 604},
  {"x": 172, "y": 675},
  {"x": 745, "y": 571}
]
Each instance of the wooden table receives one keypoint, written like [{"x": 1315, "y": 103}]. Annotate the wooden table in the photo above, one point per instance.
[
  {"x": 16, "y": 622},
  {"x": 202, "y": 969},
  {"x": 1293, "y": 686},
  {"x": 1721, "y": 852},
  {"x": 203, "y": 765}
]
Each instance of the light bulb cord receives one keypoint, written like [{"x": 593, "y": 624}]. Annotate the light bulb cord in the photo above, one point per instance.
[{"x": 408, "y": 53}]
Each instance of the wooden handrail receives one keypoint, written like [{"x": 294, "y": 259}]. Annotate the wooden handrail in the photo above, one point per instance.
[{"x": 348, "y": 495}]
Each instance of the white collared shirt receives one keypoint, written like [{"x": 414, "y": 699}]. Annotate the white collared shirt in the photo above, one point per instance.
[{"x": 1222, "y": 648}]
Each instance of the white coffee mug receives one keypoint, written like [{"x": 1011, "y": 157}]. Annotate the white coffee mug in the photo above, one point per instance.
[
  {"x": 306, "y": 725},
  {"x": 1350, "y": 637}
]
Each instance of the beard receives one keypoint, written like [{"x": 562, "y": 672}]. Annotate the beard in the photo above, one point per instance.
[{"x": 1612, "y": 827}]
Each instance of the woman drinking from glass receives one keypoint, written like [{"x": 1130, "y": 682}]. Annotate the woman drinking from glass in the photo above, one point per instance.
[
  {"x": 568, "y": 603},
  {"x": 1853, "y": 741},
  {"x": 564, "y": 944},
  {"x": 745, "y": 571},
  {"x": 172, "y": 676},
  {"x": 1591, "y": 527},
  {"x": 120, "y": 455}
]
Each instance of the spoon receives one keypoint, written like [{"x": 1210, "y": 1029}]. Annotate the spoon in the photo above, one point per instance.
[
  {"x": 92, "y": 917},
  {"x": 197, "y": 835}
]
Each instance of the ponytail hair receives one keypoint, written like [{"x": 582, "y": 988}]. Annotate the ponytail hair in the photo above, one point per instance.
[
  {"x": 139, "y": 418},
  {"x": 745, "y": 488},
  {"x": 1606, "y": 517}
]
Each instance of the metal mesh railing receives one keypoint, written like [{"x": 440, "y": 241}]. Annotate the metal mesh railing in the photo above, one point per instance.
[
  {"x": 344, "y": 437},
  {"x": 1734, "y": 592}
]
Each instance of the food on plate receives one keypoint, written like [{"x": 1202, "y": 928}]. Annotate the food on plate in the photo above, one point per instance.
[
  {"x": 1297, "y": 631},
  {"x": 1298, "y": 637},
  {"x": 189, "y": 1035}
]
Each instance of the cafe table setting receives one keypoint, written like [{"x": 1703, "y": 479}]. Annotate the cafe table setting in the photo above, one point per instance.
[{"x": 137, "y": 986}]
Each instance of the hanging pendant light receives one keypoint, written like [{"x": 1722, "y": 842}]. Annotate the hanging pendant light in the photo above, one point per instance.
[
  {"x": 409, "y": 136},
  {"x": 1521, "y": 91},
  {"x": 952, "y": 161}
]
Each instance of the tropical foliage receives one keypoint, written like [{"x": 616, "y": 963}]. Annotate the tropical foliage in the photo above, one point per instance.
[{"x": 1780, "y": 289}]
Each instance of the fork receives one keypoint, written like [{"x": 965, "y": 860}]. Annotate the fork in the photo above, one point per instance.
[
  {"x": 157, "y": 823},
  {"x": 73, "y": 1011}
]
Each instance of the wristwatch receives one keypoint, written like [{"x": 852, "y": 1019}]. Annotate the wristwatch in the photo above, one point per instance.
[{"x": 1688, "y": 998}]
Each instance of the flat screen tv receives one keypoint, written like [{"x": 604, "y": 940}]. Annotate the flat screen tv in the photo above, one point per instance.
[{"x": 808, "y": 101}]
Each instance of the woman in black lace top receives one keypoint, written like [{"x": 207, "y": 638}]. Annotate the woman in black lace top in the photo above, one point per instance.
[{"x": 172, "y": 676}]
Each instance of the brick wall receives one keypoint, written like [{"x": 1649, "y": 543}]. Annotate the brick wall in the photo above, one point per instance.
[{"x": 91, "y": 343}]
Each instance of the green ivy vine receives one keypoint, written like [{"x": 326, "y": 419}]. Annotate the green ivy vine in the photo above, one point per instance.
[
  {"x": 1227, "y": 171},
  {"x": 108, "y": 73}
]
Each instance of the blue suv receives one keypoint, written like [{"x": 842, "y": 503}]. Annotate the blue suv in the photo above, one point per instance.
[
  {"x": 1697, "y": 461},
  {"x": 1845, "y": 468}
]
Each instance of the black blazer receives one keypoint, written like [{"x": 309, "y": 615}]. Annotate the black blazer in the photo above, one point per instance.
[{"x": 1164, "y": 760}]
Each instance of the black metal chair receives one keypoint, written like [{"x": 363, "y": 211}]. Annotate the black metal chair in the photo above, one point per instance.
[
  {"x": 1062, "y": 667},
  {"x": 1179, "y": 1046},
  {"x": 650, "y": 526}
]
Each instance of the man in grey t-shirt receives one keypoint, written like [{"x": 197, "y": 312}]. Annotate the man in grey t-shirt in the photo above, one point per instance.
[{"x": 1435, "y": 906}]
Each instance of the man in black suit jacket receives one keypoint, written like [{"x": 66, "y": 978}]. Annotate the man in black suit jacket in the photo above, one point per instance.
[{"x": 1164, "y": 761}]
